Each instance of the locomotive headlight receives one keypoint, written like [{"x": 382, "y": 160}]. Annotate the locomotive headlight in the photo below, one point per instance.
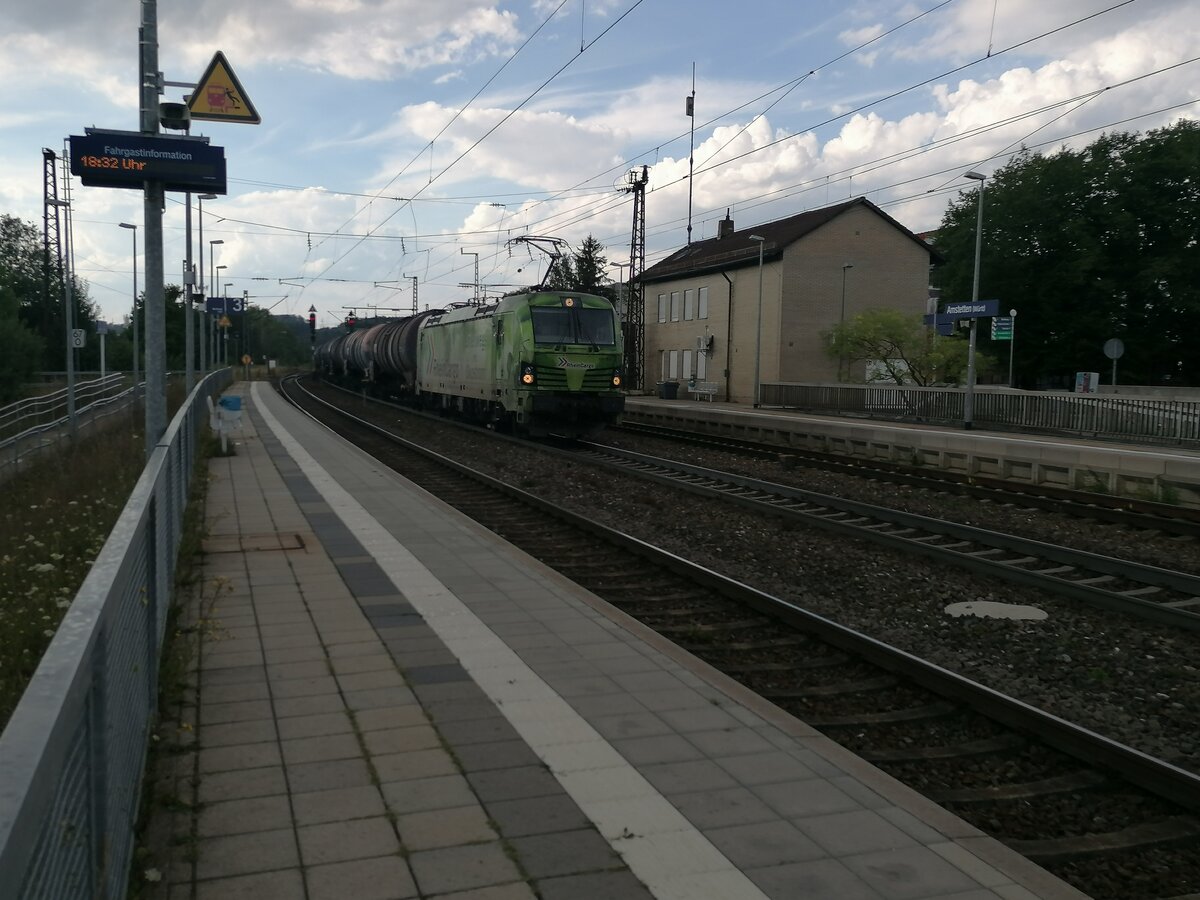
[
  {"x": 569, "y": 302},
  {"x": 527, "y": 375},
  {"x": 616, "y": 378}
]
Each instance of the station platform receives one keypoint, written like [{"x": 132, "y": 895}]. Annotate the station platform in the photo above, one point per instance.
[
  {"x": 393, "y": 703},
  {"x": 1165, "y": 473}
]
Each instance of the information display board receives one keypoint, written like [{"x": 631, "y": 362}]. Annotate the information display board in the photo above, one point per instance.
[{"x": 128, "y": 159}]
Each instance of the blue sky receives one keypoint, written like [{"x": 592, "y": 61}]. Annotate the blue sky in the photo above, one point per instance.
[{"x": 375, "y": 159}]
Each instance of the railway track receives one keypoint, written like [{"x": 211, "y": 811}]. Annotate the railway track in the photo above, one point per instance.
[
  {"x": 1110, "y": 820},
  {"x": 1152, "y": 593},
  {"x": 1099, "y": 507}
]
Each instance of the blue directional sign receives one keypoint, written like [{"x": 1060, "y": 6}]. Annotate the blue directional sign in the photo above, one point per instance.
[
  {"x": 970, "y": 310},
  {"x": 223, "y": 305}
]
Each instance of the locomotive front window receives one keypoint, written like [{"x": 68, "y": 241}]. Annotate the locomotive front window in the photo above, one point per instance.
[
  {"x": 596, "y": 327},
  {"x": 552, "y": 325},
  {"x": 559, "y": 325}
]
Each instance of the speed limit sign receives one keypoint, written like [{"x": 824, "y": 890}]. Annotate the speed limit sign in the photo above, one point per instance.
[{"x": 78, "y": 338}]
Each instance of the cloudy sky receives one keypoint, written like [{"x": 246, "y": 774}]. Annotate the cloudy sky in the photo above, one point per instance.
[{"x": 399, "y": 137}]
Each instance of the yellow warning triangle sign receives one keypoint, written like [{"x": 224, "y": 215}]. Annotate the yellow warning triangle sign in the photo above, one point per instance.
[{"x": 219, "y": 96}]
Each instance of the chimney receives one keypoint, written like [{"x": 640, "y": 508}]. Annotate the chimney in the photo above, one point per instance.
[{"x": 725, "y": 226}]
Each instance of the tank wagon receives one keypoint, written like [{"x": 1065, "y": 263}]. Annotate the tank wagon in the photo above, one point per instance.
[{"x": 543, "y": 362}]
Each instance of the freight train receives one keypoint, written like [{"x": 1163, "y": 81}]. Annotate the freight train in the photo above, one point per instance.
[{"x": 537, "y": 363}]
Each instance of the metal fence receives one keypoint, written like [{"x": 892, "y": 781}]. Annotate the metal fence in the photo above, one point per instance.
[
  {"x": 72, "y": 755},
  {"x": 1103, "y": 416},
  {"x": 30, "y": 426}
]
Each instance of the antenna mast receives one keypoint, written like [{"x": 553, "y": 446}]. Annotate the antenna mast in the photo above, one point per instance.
[
  {"x": 691, "y": 114},
  {"x": 635, "y": 331}
]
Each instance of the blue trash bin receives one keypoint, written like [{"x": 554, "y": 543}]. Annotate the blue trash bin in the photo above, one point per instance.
[{"x": 233, "y": 404}]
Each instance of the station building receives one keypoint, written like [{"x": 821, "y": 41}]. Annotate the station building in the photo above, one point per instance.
[{"x": 819, "y": 268}]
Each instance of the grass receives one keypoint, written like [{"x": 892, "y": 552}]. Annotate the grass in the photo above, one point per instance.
[{"x": 54, "y": 518}]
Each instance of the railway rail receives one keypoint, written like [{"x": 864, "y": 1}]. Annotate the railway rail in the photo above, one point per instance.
[
  {"x": 1100, "y": 507},
  {"x": 1117, "y": 584},
  {"x": 1110, "y": 820}
]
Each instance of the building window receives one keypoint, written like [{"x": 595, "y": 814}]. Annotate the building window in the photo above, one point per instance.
[
  {"x": 673, "y": 364},
  {"x": 689, "y": 305},
  {"x": 687, "y": 363},
  {"x": 676, "y": 303},
  {"x": 662, "y": 307},
  {"x": 701, "y": 366},
  {"x": 702, "y": 312},
  {"x": 663, "y": 362}
]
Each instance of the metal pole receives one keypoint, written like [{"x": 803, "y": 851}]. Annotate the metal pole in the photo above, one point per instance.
[
  {"x": 758, "y": 331},
  {"x": 969, "y": 398},
  {"x": 842, "y": 320},
  {"x": 189, "y": 275},
  {"x": 1012, "y": 343},
  {"x": 156, "y": 334}
]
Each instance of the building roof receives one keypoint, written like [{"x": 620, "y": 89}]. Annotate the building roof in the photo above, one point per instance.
[{"x": 736, "y": 249}]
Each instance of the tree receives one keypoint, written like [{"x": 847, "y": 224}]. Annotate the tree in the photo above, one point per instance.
[
  {"x": 22, "y": 354},
  {"x": 900, "y": 349},
  {"x": 585, "y": 271},
  {"x": 1089, "y": 245},
  {"x": 37, "y": 282}
]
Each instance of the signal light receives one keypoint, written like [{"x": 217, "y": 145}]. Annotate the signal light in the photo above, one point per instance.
[
  {"x": 351, "y": 321},
  {"x": 312, "y": 325}
]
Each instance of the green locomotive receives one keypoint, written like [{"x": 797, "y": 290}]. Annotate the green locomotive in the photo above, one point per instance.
[{"x": 544, "y": 362}]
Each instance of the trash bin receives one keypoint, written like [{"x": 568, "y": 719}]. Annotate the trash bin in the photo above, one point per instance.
[
  {"x": 668, "y": 390},
  {"x": 233, "y": 404}
]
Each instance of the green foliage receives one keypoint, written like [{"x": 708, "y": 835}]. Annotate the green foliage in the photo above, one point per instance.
[
  {"x": 1089, "y": 245},
  {"x": 586, "y": 271},
  {"x": 54, "y": 518},
  {"x": 22, "y": 348},
  {"x": 901, "y": 349},
  {"x": 36, "y": 280}
]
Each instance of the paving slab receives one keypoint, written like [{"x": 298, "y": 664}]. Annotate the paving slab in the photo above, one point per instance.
[{"x": 393, "y": 703}]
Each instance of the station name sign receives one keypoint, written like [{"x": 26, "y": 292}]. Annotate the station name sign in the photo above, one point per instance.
[{"x": 127, "y": 159}]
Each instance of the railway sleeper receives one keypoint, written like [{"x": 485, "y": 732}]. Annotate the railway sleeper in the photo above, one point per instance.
[
  {"x": 937, "y": 710},
  {"x": 807, "y": 664},
  {"x": 1149, "y": 834},
  {"x": 1001, "y": 743},
  {"x": 1083, "y": 780},
  {"x": 861, "y": 686},
  {"x": 693, "y": 628}
]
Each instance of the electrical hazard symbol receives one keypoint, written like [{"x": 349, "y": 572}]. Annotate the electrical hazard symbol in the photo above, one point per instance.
[{"x": 219, "y": 96}]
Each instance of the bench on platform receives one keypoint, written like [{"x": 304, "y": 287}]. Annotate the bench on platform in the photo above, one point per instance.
[{"x": 703, "y": 390}]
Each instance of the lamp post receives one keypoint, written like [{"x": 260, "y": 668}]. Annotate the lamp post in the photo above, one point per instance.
[
  {"x": 224, "y": 313},
  {"x": 136, "y": 381},
  {"x": 204, "y": 348},
  {"x": 842, "y": 318},
  {"x": 969, "y": 397},
  {"x": 758, "y": 329},
  {"x": 69, "y": 316}
]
